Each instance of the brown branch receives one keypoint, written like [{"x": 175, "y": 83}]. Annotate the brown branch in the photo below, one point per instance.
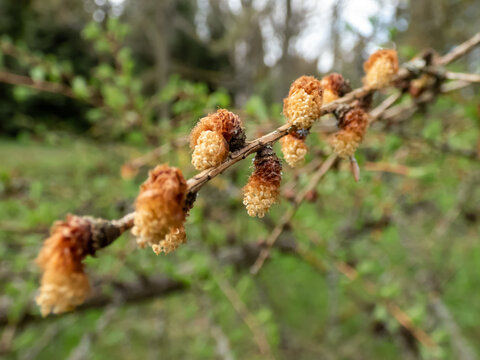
[
  {"x": 129, "y": 292},
  {"x": 405, "y": 73},
  {"x": 146, "y": 288},
  {"x": 376, "y": 113},
  {"x": 441, "y": 147},
  {"x": 132, "y": 167},
  {"x": 14, "y": 79},
  {"x": 387, "y": 167},
  {"x": 45, "y": 86},
  {"x": 403, "y": 111},
  {"x": 450, "y": 75},
  {"x": 239, "y": 256},
  {"x": 460, "y": 50}
]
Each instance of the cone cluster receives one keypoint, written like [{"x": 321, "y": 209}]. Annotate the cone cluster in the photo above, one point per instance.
[{"x": 163, "y": 201}]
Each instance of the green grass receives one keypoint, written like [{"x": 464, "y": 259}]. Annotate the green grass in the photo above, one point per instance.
[{"x": 319, "y": 312}]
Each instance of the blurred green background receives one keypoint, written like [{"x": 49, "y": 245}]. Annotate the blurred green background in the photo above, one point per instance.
[{"x": 88, "y": 89}]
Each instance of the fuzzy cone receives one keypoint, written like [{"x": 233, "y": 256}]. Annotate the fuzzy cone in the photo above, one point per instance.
[
  {"x": 224, "y": 122},
  {"x": 263, "y": 186},
  {"x": 64, "y": 284},
  {"x": 304, "y": 102},
  {"x": 294, "y": 149},
  {"x": 172, "y": 241},
  {"x": 380, "y": 68},
  {"x": 353, "y": 125},
  {"x": 210, "y": 150},
  {"x": 159, "y": 206}
]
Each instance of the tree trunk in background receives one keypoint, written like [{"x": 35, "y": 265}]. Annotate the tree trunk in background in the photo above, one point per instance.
[
  {"x": 285, "y": 62},
  {"x": 159, "y": 29},
  {"x": 335, "y": 36},
  {"x": 427, "y": 23},
  {"x": 248, "y": 54}
]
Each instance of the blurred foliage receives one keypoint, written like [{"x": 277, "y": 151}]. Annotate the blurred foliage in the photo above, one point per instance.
[
  {"x": 413, "y": 234},
  {"x": 112, "y": 87}
]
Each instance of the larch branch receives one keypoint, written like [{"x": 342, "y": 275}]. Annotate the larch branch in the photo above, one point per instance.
[{"x": 409, "y": 71}]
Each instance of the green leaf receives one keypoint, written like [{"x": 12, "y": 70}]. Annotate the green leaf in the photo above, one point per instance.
[
  {"x": 432, "y": 130},
  {"x": 21, "y": 93},
  {"x": 95, "y": 115},
  {"x": 256, "y": 107},
  {"x": 37, "y": 73},
  {"x": 114, "y": 97},
  {"x": 92, "y": 31},
  {"x": 80, "y": 87}
]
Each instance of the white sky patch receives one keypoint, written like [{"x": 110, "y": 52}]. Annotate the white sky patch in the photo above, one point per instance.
[
  {"x": 357, "y": 14},
  {"x": 314, "y": 41},
  {"x": 201, "y": 19}
]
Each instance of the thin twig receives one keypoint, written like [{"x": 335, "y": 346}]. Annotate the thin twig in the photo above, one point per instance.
[
  {"x": 376, "y": 113},
  {"x": 460, "y": 50},
  {"x": 400, "y": 316},
  {"x": 249, "y": 320},
  {"x": 45, "y": 86},
  {"x": 462, "y": 76},
  {"x": 134, "y": 165}
]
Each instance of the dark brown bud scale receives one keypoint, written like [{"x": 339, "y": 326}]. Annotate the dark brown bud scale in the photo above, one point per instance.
[
  {"x": 353, "y": 124},
  {"x": 334, "y": 86}
]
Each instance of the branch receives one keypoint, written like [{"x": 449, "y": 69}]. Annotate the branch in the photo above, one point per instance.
[
  {"x": 239, "y": 256},
  {"x": 131, "y": 292},
  {"x": 398, "y": 314},
  {"x": 409, "y": 71},
  {"x": 146, "y": 288},
  {"x": 45, "y": 86},
  {"x": 132, "y": 167},
  {"x": 50, "y": 87},
  {"x": 251, "y": 321},
  {"x": 441, "y": 147},
  {"x": 450, "y": 75},
  {"x": 460, "y": 50}
]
